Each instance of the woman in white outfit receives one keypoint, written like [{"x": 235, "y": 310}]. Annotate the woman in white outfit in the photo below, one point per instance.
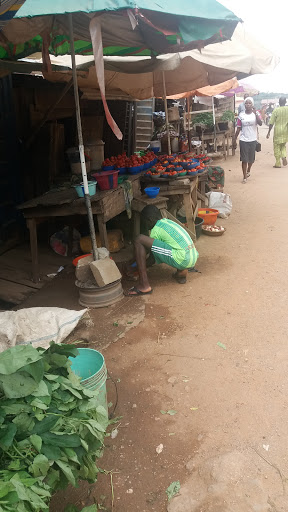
[{"x": 247, "y": 123}]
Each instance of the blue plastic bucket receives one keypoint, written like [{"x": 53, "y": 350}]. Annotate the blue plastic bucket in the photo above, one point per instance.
[
  {"x": 91, "y": 187},
  {"x": 90, "y": 366}
]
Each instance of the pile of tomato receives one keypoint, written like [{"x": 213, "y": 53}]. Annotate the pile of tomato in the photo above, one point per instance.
[{"x": 123, "y": 160}]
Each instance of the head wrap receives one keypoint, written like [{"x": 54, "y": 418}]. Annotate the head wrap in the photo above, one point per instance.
[{"x": 249, "y": 99}]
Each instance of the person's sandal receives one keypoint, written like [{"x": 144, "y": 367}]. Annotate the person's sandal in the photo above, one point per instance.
[
  {"x": 244, "y": 181},
  {"x": 179, "y": 279},
  {"x": 135, "y": 292}
]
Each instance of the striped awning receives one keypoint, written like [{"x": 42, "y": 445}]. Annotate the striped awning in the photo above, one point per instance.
[{"x": 8, "y": 9}]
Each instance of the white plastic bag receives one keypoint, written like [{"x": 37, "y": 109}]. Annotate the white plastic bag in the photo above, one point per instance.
[
  {"x": 221, "y": 202},
  {"x": 37, "y": 326}
]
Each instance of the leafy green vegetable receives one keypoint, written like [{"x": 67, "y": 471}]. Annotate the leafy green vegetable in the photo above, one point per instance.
[
  {"x": 13, "y": 359},
  {"x": 228, "y": 115},
  {"x": 51, "y": 428},
  {"x": 73, "y": 508},
  {"x": 206, "y": 118}
]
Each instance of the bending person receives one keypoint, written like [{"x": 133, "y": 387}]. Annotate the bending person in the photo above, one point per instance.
[
  {"x": 247, "y": 124},
  {"x": 168, "y": 243},
  {"x": 279, "y": 120}
]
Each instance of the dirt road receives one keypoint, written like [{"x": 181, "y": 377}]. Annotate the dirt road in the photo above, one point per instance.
[{"x": 226, "y": 440}]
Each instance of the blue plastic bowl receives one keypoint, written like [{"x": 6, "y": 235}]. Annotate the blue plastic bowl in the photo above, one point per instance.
[
  {"x": 122, "y": 170},
  {"x": 135, "y": 170},
  {"x": 108, "y": 167},
  {"x": 152, "y": 191}
]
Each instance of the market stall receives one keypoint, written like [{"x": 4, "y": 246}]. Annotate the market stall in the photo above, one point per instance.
[
  {"x": 173, "y": 181},
  {"x": 65, "y": 203}
]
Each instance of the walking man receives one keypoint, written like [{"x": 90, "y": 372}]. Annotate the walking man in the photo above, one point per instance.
[{"x": 279, "y": 120}]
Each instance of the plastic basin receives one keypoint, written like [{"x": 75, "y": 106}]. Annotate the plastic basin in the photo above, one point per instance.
[
  {"x": 107, "y": 179},
  {"x": 108, "y": 167},
  {"x": 152, "y": 191},
  {"x": 209, "y": 215},
  {"x": 121, "y": 170},
  {"x": 91, "y": 186},
  {"x": 136, "y": 169}
]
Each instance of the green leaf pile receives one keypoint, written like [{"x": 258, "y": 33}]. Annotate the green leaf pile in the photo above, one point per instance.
[{"x": 51, "y": 428}]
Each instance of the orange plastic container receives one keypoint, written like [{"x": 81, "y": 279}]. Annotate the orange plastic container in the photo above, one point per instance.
[{"x": 209, "y": 215}]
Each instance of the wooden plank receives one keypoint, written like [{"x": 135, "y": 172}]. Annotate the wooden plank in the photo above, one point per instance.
[
  {"x": 31, "y": 223},
  {"x": 12, "y": 274},
  {"x": 114, "y": 204},
  {"x": 139, "y": 202},
  {"x": 14, "y": 293},
  {"x": 61, "y": 211}
]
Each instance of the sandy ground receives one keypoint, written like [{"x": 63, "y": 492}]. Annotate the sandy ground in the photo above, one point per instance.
[{"x": 227, "y": 442}]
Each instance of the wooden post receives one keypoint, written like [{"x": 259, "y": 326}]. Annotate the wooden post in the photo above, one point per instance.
[
  {"x": 189, "y": 213},
  {"x": 166, "y": 113},
  {"x": 189, "y": 124},
  {"x": 32, "y": 226},
  {"x": 102, "y": 231}
]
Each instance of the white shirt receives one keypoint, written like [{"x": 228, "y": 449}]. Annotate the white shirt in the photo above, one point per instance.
[{"x": 248, "y": 125}]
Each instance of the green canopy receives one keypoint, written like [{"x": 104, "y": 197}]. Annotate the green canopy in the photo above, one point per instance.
[{"x": 145, "y": 27}]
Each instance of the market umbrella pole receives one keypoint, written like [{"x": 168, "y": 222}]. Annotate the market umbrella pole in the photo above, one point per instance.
[
  {"x": 166, "y": 113},
  {"x": 214, "y": 124},
  {"x": 188, "y": 123},
  {"x": 80, "y": 142}
]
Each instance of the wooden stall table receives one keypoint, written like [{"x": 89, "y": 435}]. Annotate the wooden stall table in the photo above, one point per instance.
[
  {"x": 185, "y": 187},
  {"x": 202, "y": 180},
  {"x": 64, "y": 203},
  {"x": 224, "y": 139}
]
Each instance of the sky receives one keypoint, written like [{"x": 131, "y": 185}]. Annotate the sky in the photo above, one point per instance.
[{"x": 267, "y": 22}]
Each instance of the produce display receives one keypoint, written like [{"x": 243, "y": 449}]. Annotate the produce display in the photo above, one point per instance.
[
  {"x": 52, "y": 429},
  {"x": 213, "y": 229},
  {"x": 166, "y": 166},
  {"x": 174, "y": 166},
  {"x": 135, "y": 161}
]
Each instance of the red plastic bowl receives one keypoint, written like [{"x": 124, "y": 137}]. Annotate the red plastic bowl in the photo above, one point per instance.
[{"x": 75, "y": 261}]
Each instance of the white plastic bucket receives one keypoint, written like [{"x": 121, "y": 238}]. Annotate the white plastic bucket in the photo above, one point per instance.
[{"x": 155, "y": 144}]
